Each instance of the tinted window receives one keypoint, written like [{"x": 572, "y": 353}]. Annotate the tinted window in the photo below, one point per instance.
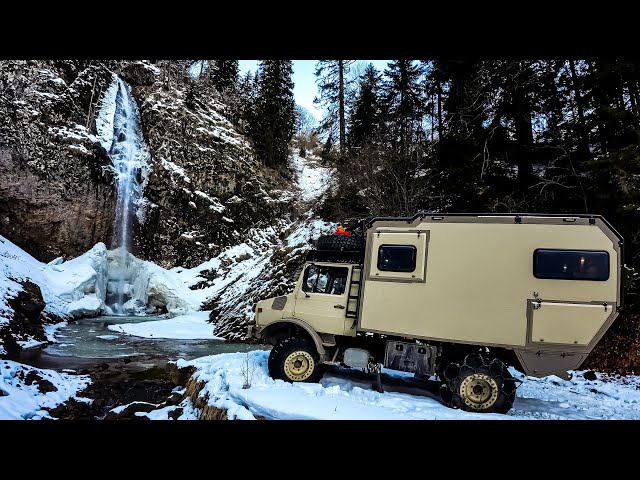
[
  {"x": 571, "y": 264},
  {"x": 321, "y": 279},
  {"x": 397, "y": 258}
]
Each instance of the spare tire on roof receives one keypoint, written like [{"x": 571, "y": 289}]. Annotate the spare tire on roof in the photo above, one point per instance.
[{"x": 340, "y": 242}]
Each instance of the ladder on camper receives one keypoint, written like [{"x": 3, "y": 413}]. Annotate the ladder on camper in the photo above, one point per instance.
[{"x": 353, "y": 294}]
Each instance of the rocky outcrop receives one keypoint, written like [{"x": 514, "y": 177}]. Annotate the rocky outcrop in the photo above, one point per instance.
[
  {"x": 27, "y": 321},
  {"x": 179, "y": 375},
  {"x": 57, "y": 191},
  {"x": 200, "y": 402},
  {"x": 269, "y": 268},
  {"x": 56, "y": 194},
  {"x": 205, "y": 188}
]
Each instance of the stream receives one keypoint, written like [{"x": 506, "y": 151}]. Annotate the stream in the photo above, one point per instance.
[
  {"x": 88, "y": 341},
  {"x": 123, "y": 368}
]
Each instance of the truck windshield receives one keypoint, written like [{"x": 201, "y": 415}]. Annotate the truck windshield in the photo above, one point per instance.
[{"x": 323, "y": 279}]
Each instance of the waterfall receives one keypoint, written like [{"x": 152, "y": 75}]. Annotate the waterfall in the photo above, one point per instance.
[{"x": 119, "y": 127}]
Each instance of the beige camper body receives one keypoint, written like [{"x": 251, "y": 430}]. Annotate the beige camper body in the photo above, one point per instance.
[{"x": 538, "y": 291}]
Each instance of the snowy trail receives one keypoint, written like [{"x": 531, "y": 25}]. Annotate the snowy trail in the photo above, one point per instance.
[
  {"x": 347, "y": 394},
  {"x": 312, "y": 179}
]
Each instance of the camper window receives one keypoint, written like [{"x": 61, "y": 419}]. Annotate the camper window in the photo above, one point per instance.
[
  {"x": 397, "y": 258},
  {"x": 571, "y": 264},
  {"x": 323, "y": 279}
]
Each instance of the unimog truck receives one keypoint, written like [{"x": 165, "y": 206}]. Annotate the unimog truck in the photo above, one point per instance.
[{"x": 458, "y": 296}]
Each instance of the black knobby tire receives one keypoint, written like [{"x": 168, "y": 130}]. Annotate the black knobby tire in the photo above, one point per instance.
[
  {"x": 287, "y": 354},
  {"x": 495, "y": 388},
  {"x": 340, "y": 242}
]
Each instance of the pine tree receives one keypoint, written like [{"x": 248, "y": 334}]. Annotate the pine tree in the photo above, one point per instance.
[
  {"x": 242, "y": 104},
  {"x": 365, "y": 118},
  {"x": 274, "y": 120},
  {"x": 223, "y": 74},
  {"x": 333, "y": 86},
  {"x": 403, "y": 101}
]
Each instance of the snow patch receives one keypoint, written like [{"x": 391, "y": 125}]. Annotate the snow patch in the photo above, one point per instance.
[
  {"x": 193, "y": 325},
  {"x": 106, "y": 114},
  {"x": 177, "y": 169},
  {"x": 107, "y": 337},
  {"x": 16, "y": 265},
  {"x": 313, "y": 180},
  {"x": 19, "y": 401},
  {"x": 216, "y": 205}
]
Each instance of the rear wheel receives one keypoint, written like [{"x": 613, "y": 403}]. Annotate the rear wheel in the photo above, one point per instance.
[
  {"x": 478, "y": 385},
  {"x": 295, "y": 359}
]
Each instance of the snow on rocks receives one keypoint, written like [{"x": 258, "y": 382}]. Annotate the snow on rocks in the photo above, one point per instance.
[
  {"x": 79, "y": 282},
  {"x": 106, "y": 114},
  {"x": 79, "y": 287},
  {"x": 343, "y": 395},
  {"x": 25, "y": 392},
  {"x": 265, "y": 264},
  {"x": 15, "y": 266}
]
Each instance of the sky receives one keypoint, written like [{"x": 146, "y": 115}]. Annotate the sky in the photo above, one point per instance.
[{"x": 305, "y": 88}]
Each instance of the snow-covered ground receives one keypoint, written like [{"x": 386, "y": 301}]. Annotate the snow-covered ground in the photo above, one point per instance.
[
  {"x": 343, "y": 395},
  {"x": 26, "y": 391},
  {"x": 190, "y": 326},
  {"x": 313, "y": 179}
]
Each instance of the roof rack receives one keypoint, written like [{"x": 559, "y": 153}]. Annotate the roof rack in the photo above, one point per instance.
[{"x": 336, "y": 256}]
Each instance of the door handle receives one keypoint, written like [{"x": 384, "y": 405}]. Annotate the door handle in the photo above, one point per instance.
[{"x": 339, "y": 306}]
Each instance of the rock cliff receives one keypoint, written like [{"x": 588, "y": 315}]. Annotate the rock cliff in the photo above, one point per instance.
[{"x": 57, "y": 190}]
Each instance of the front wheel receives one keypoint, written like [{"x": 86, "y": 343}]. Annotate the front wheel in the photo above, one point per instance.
[
  {"x": 295, "y": 359},
  {"x": 478, "y": 385}
]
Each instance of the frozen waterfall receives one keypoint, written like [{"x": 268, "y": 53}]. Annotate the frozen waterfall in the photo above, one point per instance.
[{"x": 119, "y": 131}]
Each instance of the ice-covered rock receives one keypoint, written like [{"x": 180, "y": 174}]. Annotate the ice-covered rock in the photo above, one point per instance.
[
  {"x": 87, "y": 306},
  {"x": 146, "y": 286},
  {"x": 81, "y": 282},
  {"x": 135, "y": 307}
]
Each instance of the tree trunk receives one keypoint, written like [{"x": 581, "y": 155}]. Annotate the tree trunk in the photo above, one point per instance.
[
  {"x": 633, "y": 94},
  {"x": 602, "y": 102},
  {"x": 524, "y": 135},
  {"x": 432, "y": 113},
  {"x": 583, "y": 146},
  {"x": 439, "y": 111},
  {"x": 341, "y": 95}
]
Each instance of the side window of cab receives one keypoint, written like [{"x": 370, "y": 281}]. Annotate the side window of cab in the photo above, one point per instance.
[{"x": 325, "y": 279}]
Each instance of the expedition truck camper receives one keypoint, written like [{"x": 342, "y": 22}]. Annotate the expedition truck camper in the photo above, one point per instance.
[{"x": 458, "y": 296}]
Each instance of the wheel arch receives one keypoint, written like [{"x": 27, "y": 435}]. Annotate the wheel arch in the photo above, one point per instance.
[
  {"x": 292, "y": 326},
  {"x": 456, "y": 352}
]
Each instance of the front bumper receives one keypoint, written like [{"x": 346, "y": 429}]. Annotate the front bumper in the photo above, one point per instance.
[{"x": 253, "y": 332}]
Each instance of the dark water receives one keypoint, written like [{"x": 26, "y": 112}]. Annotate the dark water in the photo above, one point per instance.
[{"x": 88, "y": 341}]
